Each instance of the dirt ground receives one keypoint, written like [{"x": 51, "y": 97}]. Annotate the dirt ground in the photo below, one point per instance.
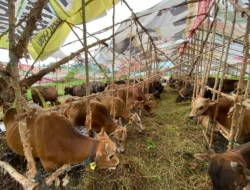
[{"x": 161, "y": 158}]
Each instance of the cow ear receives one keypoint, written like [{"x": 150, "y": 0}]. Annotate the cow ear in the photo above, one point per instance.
[
  {"x": 111, "y": 135},
  {"x": 213, "y": 102},
  {"x": 204, "y": 157}
]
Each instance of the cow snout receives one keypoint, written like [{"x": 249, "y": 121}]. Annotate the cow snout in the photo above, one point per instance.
[{"x": 191, "y": 117}]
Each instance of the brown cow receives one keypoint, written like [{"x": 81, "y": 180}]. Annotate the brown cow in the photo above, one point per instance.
[
  {"x": 100, "y": 118},
  {"x": 49, "y": 93},
  {"x": 243, "y": 89},
  {"x": 203, "y": 106},
  {"x": 120, "y": 110},
  {"x": 56, "y": 142},
  {"x": 76, "y": 90},
  {"x": 136, "y": 98},
  {"x": 229, "y": 170}
]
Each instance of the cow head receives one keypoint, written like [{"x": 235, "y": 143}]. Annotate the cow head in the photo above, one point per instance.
[
  {"x": 105, "y": 155},
  {"x": 119, "y": 137},
  {"x": 137, "y": 106},
  {"x": 135, "y": 120},
  {"x": 226, "y": 170},
  {"x": 68, "y": 90},
  {"x": 200, "y": 106},
  {"x": 185, "y": 93},
  {"x": 149, "y": 103}
]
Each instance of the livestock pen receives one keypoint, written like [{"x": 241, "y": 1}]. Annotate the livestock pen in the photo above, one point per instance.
[{"x": 161, "y": 157}]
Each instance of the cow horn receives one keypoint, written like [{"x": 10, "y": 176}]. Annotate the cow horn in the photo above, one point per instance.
[
  {"x": 107, "y": 148},
  {"x": 120, "y": 121}
]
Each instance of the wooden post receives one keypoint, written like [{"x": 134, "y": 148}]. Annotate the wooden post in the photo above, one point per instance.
[
  {"x": 113, "y": 61},
  {"x": 21, "y": 102},
  {"x": 238, "y": 108},
  {"x": 223, "y": 70},
  {"x": 86, "y": 59}
]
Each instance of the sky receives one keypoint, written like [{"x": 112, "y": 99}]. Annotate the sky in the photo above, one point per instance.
[{"x": 122, "y": 13}]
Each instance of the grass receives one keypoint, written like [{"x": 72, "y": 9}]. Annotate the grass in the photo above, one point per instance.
[{"x": 161, "y": 158}]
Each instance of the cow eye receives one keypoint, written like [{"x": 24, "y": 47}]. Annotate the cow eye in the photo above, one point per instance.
[
  {"x": 201, "y": 108},
  {"x": 120, "y": 141},
  {"x": 110, "y": 157}
]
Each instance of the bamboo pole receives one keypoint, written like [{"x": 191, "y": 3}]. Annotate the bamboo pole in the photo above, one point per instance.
[
  {"x": 130, "y": 56},
  {"x": 239, "y": 8},
  {"x": 223, "y": 71},
  {"x": 202, "y": 90},
  {"x": 212, "y": 43},
  {"x": 89, "y": 114},
  {"x": 113, "y": 61},
  {"x": 21, "y": 102},
  {"x": 235, "y": 120}
]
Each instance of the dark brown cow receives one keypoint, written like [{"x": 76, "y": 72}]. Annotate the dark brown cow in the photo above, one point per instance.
[
  {"x": 187, "y": 92},
  {"x": 76, "y": 90},
  {"x": 96, "y": 86},
  {"x": 49, "y": 93},
  {"x": 116, "y": 82},
  {"x": 229, "y": 170},
  {"x": 203, "y": 106},
  {"x": 56, "y": 142},
  {"x": 100, "y": 118}
]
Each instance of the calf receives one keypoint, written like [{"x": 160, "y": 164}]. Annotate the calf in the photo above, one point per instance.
[
  {"x": 56, "y": 142},
  {"x": 49, "y": 93},
  {"x": 230, "y": 170},
  {"x": 120, "y": 110},
  {"x": 203, "y": 106},
  {"x": 100, "y": 118}
]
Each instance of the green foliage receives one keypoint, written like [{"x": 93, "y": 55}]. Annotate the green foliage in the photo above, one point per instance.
[{"x": 150, "y": 144}]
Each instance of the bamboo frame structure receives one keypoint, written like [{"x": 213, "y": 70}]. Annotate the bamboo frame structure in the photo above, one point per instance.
[{"x": 203, "y": 52}]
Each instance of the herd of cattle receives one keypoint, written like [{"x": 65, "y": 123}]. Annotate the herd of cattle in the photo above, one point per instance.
[
  {"x": 230, "y": 170},
  {"x": 55, "y": 138}
]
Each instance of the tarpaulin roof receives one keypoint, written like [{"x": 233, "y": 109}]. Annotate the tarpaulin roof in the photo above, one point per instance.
[
  {"x": 171, "y": 22},
  {"x": 53, "y": 22}
]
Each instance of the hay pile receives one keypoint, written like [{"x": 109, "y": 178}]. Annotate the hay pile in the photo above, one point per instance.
[{"x": 159, "y": 158}]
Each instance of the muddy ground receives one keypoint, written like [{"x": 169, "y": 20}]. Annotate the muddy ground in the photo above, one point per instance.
[{"x": 159, "y": 158}]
